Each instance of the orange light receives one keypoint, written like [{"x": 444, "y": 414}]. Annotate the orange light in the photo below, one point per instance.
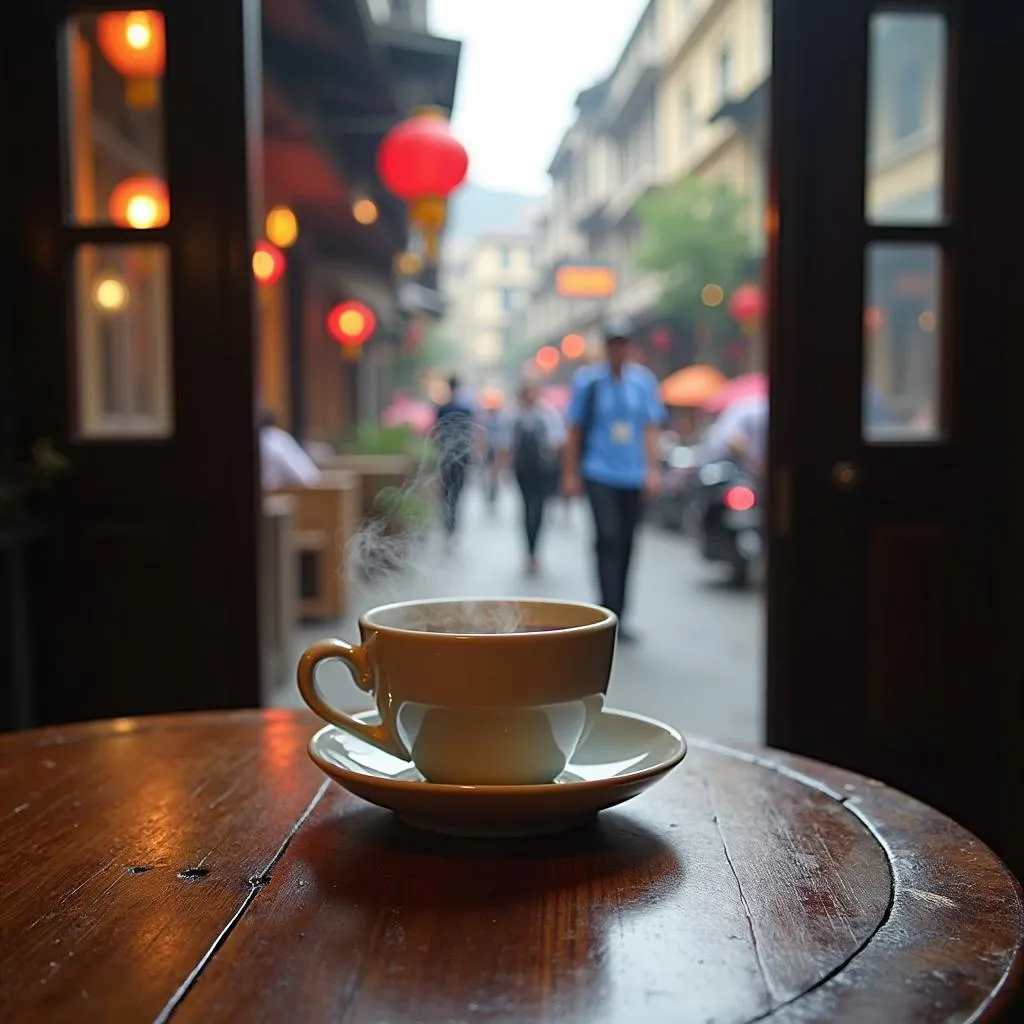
[
  {"x": 573, "y": 346},
  {"x": 585, "y": 282},
  {"x": 365, "y": 211},
  {"x": 268, "y": 263},
  {"x": 712, "y": 295},
  {"x": 133, "y": 42},
  {"x": 140, "y": 202},
  {"x": 351, "y": 323},
  {"x": 548, "y": 358},
  {"x": 282, "y": 227}
]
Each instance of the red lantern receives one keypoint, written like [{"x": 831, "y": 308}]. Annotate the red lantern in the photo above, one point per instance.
[
  {"x": 747, "y": 304},
  {"x": 422, "y": 163},
  {"x": 351, "y": 323},
  {"x": 140, "y": 202},
  {"x": 134, "y": 44},
  {"x": 268, "y": 264}
]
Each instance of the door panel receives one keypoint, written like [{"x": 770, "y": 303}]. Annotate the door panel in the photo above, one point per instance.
[
  {"x": 133, "y": 311},
  {"x": 891, "y": 532}
]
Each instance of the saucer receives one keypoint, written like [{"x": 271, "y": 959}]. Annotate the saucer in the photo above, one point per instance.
[{"x": 623, "y": 755}]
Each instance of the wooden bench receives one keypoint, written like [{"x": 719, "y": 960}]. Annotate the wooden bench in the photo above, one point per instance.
[
  {"x": 327, "y": 517},
  {"x": 278, "y": 588}
]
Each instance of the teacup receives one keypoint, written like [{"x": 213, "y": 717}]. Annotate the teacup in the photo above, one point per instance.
[{"x": 475, "y": 692}]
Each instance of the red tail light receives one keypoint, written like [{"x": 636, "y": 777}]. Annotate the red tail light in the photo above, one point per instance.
[{"x": 740, "y": 499}]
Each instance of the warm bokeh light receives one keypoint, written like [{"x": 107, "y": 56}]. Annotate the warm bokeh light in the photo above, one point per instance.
[
  {"x": 110, "y": 293},
  {"x": 573, "y": 346},
  {"x": 548, "y": 358},
  {"x": 133, "y": 42},
  {"x": 351, "y": 323},
  {"x": 365, "y": 211},
  {"x": 408, "y": 264},
  {"x": 282, "y": 227},
  {"x": 874, "y": 317},
  {"x": 268, "y": 263},
  {"x": 927, "y": 321},
  {"x": 140, "y": 202},
  {"x": 712, "y": 295}
]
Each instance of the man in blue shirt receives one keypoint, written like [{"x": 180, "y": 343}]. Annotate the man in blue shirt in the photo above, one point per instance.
[{"x": 612, "y": 453}]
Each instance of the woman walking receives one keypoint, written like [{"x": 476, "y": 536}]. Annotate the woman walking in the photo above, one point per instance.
[{"x": 534, "y": 438}]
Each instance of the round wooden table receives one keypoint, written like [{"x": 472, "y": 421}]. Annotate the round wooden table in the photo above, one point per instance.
[{"x": 200, "y": 867}]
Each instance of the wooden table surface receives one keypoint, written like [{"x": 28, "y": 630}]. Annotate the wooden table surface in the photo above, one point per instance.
[{"x": 201, "y": 868}]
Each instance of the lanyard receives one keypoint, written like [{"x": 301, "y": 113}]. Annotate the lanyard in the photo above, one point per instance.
[{"x": 622, "y": 411}]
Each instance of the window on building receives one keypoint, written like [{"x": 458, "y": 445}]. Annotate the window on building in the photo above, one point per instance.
[
  {"x": 908, "y": 111},
  {"x": 508, "y": 299},
  {"x": 504, "y": 257},
  {"x": 689, "y": 114},
  {"x": 725, "y": 72}
]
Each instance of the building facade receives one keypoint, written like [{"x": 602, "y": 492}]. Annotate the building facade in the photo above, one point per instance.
[{"x": 487, "y": 284}]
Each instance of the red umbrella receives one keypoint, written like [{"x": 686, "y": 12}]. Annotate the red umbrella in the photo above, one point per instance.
[{"x": 750, "y": 385}]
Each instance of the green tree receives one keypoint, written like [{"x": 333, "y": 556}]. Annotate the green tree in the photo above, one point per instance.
[{"x": 694, "y": 234}]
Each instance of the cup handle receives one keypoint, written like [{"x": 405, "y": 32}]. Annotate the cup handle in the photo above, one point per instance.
[{"x": 358, "y": 661}]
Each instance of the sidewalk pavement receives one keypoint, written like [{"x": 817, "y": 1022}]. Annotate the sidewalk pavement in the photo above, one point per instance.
[{"x": 699, "y": 662}]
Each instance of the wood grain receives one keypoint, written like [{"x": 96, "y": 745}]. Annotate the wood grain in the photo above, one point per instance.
[
  {"x": 748, "y": 885},
  {"x": 128, "y": 848}
]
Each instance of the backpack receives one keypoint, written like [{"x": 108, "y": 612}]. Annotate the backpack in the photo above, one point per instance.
[{"x": 530, "y": 450}]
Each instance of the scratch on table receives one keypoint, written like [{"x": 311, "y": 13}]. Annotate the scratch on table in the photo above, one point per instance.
[{"x": 931, "y": 897}]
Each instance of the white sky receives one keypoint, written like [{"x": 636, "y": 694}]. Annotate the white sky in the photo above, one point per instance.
[{"x": 523, "y": 62}]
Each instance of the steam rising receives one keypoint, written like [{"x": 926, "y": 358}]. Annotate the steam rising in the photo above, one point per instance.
[{"x": 386, "y": 555}]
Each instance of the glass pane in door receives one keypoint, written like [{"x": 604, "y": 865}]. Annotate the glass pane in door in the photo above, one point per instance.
[
  {"x": 907, "y": 119},
  {"x": 114, "y": 120},
  {"x": 122, "y": 342},
  {"x": 902, "y": 344}
]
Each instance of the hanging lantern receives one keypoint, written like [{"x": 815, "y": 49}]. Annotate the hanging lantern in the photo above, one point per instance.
[
  {"x": 747, "y": 306},
  {"x": 134, "y": 44},
  {"x": 421, "y": 162},
  {"x": 268, "y": 264},
  {"x": 351, "y": 323},
  {"x": 140, "y": 202}
]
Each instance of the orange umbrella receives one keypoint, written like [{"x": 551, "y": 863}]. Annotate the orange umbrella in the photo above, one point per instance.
[{"x": 692, "y": 387}]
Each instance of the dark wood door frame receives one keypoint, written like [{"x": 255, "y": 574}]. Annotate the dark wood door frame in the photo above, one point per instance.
[
  {"x": 960, "y": 751},
  {"x": 179, "y": 630}
]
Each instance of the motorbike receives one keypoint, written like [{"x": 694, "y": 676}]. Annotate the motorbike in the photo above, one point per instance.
[
  {"x": 671, "y": 507},
  {"x": 729, "y": 518}
]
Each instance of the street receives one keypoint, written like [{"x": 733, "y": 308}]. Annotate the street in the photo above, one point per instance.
[{"x": 698, "y": 664}]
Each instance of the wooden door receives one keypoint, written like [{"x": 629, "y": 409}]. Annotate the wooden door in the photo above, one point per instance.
[
  {"x": 895, "y": 259},
  {"x": 132, "y": 318}
]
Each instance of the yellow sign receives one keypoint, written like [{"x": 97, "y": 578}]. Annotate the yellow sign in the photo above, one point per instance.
[{"x": 585, "y": 282}]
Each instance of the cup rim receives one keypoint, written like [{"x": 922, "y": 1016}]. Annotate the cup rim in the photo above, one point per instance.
[{"x": 608, "y": 618}]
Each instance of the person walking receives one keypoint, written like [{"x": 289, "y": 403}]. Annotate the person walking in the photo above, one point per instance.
[
  {"x": 532, "y": 442},
  {"x": 611, "y": 453},
  {"x": 453, "y": 437}
]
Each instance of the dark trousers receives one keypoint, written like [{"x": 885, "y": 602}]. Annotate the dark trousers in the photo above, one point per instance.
[
  {"x": 616, "y": 512},
  {"x": 453, "y": 479},
  {"x": 534, "y": 487}
]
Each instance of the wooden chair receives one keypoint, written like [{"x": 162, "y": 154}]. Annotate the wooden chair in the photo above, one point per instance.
[
  {"x": 327, "y": 516},
  {"x": 375, "y": 472},
  {"x": 278, "y": 587}
]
